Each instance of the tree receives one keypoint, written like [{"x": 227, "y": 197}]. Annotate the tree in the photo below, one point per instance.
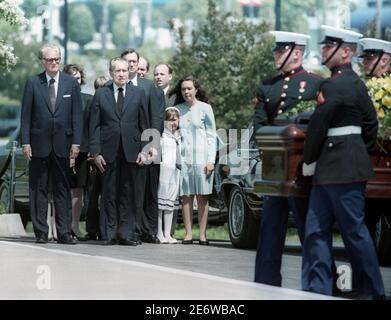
[
  {"x": 81, "y": 25},
  {"x": 12, "y": 14},
  {"x": 12, "y": 85},
  {"x": 121, "y": 30},
  {"x": 230, "y": 57}
]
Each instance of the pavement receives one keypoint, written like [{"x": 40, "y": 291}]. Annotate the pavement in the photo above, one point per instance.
[{"x": 89, "y": 270}]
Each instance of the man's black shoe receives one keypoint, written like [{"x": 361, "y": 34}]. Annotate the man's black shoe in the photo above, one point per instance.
[
  {"x": 42, "y": 238},
  {"x": 91, "y": 236},
  {"x": 66, "y": 239},
  {"x": 150, "y": 239},
  {"x": 127, "y": 242},
  {"x": 78, "y": 237},
  {"x": 110, "y": 242}
]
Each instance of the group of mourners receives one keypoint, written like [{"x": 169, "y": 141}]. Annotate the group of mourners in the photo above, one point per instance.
[{"x": 137, "y": 144}]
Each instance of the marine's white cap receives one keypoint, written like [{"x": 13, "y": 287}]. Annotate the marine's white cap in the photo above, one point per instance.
[
  {"x": 285, "y": 40},
  {"x": 374, "y": 46},
  {"x": 332, "y": 35}
]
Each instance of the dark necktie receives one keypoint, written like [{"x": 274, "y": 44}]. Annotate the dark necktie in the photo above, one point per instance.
[
  {"x": 120, "y": 100},
  {"x": 52, "y": 93}
]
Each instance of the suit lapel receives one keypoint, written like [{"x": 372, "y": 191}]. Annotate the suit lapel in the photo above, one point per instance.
[
  {"x": 60, "y": 89},
  {"x": 110, "y": 97},
  {"x": 128, "y": 97},
  {"x": 45, "y": 90}
]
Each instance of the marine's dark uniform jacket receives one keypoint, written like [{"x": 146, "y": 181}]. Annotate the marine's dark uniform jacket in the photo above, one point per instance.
[
  {"x": 343, "y": 101},
  {"x": 282, "y": 93}
]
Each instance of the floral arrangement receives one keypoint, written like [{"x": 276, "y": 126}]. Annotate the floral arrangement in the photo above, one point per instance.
[
  {"x": 10, "y": 12},
  {"x": 302, "y": 106},
  {"x": 380, "y": 91}
]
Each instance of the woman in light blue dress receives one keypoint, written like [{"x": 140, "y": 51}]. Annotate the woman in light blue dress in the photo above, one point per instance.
[{"x": 198, "y": 129}]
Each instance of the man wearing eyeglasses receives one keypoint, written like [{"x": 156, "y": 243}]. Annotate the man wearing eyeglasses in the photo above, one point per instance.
[{"x": 51, "y": 130}]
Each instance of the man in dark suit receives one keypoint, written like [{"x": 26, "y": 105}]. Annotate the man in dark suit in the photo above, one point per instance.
[
  {"x": 147, "y": 199},
  {"x": 162, "y": 77},
  {"x": 276, "y": 97},
  {"x": 118, "y": 118},
  {"x": 51, "y": 123},
  {"x": 340, "y": 132}
]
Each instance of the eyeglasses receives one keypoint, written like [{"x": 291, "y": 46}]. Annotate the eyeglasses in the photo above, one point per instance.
[{"x": 56, "y": 60}]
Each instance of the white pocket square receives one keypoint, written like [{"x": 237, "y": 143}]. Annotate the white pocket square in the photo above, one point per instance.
[
  {"x": 309, "y": 169},
  {"x": 66, "y": 96}
]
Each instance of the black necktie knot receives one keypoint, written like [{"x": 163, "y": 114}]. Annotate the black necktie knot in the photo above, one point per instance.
[{"x": 52, "y": 81}]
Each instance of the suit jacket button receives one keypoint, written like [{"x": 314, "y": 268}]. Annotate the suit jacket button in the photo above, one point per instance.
[{"x": 330, "y": 145}]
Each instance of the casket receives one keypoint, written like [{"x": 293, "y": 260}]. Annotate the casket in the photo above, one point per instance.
[{"x": 281, "y": 150}]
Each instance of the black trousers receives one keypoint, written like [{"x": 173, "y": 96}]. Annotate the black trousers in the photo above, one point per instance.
[
  {"x": 55, "y": 170},
  {"x": 118, "y": 200},
  {"x": 94, "y": 188},
  {"x": 147, "y": 202}
]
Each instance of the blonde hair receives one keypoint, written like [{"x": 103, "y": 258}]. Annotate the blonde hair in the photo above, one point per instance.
[{"x": 100, "y": 82}]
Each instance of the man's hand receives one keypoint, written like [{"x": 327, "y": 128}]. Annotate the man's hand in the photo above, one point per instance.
[
  {"x": 152, "y": 154},
  {"x": 141, "y": 158},
  {"x": 74, "y": 152},
  {"x": 209, "y": 169},
  {"x": 100, "y": 163},
  {"x": 27, "y": 152},
  {"x": 71, "y": 163}
]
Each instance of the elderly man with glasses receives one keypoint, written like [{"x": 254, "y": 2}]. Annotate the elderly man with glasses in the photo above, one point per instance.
[{"x": 51, "y": 129}]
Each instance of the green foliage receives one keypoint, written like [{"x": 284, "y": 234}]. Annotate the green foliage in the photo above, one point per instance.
[
  {"x": 195, "y": 11},
  {"x": 230, "y": 57},
  {"x": 30, "y": 7},
  {"x": 12, "y": 84},
  {"x": 302, "y": 106},
  {"x": 121, "y": 30},
  {"x": 81, "y": 25},
  {"x": 155, "y": 55},
  {"x": 3, "y": 208}
]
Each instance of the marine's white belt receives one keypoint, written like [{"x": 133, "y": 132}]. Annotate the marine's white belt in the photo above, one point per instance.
[{"x": 343, "y": 131}]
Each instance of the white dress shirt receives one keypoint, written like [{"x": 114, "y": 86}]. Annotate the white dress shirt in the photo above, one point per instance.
[
  {"x": 116, "y": 91},
  {"x": 134, "y": 80},
  {"x": 56, "y": 78}
]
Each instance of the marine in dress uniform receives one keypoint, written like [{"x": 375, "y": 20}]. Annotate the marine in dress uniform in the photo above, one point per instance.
[
  {"x": 340, "y": 132},
  {"x": 376, "y": 56},
  {"x": 275, "y": 97}
]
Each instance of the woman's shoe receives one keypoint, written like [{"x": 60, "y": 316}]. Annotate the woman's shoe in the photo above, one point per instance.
[
  {"x": 203, "y": 243},
  {"x": 171, "y": 240},
  {"x": 162, "y": 239},
  {"x": 187, "y": 241},
  {"x": 79, "y": 237}
]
